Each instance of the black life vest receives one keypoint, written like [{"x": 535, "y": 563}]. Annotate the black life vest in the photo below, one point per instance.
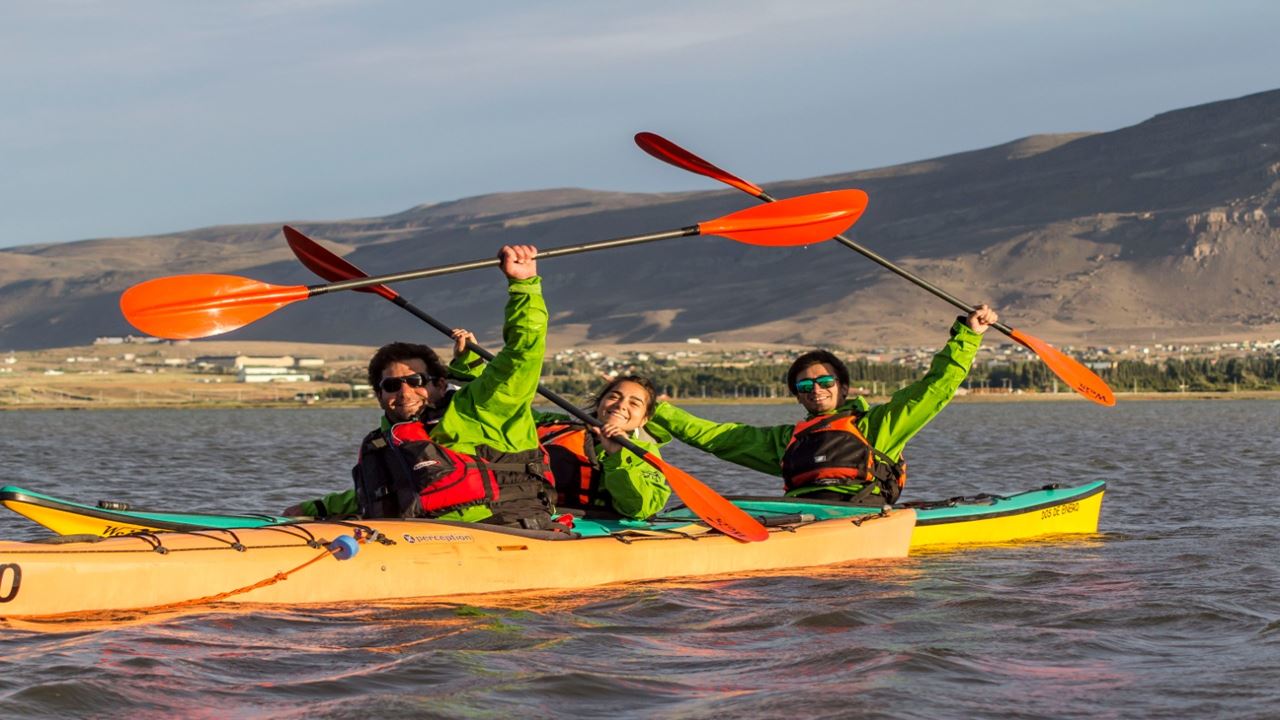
[
  {"x": 575, "y": 465},
  {"x": 830, "y": 450},
  {"x": 403, "y": 473}
]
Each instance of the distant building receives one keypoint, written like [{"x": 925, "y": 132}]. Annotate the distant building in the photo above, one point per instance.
[
  {"x": 235, "y": 362},
  {"x": 257, "y": 374}
]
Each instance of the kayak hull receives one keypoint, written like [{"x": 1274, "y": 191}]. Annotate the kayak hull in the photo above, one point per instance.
[
  {"x": 1043, "y": 513},
  {"x": 405, "y": 559}
]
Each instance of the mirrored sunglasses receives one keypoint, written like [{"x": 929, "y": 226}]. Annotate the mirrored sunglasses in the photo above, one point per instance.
[{"x": 806, "y": 385}]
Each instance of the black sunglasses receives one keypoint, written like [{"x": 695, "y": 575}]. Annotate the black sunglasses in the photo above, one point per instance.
[{"x": 392, "y": 384}]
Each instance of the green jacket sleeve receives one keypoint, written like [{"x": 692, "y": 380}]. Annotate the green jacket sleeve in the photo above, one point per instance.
[
  {"x": 494, "y": 408},
  {"x": 541, "y": 417},
  {"x": 332, "y": 505},
  {"x": 638, "y": 489},
  {"x": 888, "y": 427},
  {"x": 758, "y": 448},
  {"x": 466, "y": 366}
]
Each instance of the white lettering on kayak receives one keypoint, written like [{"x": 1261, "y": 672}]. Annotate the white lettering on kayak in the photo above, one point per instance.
[{"x": 440, "y": 537}]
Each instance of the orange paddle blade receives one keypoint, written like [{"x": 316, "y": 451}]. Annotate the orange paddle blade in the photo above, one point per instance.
[
  {"x": 800, "y": 220},
  {"x": 329, "y": 265},
  {"x": 185, "y": 307},
  {"x": 672, "y": 154},
  {"x": 709, "y": 505},
  {"x": 1080, "y": 378}
]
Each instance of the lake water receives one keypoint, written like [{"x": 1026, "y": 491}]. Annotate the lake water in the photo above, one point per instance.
[{"x": 1172, "y": 611}]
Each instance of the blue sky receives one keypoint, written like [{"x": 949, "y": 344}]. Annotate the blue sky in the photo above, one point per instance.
[{"x": 140, "y": 117}]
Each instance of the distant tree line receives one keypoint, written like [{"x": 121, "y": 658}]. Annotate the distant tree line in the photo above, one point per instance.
[
  {"x": 1197, "y": 374},
  {"x": 754, "y": 381},
  {"x": 763, "y": 381}
]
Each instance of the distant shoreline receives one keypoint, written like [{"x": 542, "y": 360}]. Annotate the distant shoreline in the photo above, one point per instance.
[
  {"x": 370, "y": 404},
  {"x": 153, "y": 376}
]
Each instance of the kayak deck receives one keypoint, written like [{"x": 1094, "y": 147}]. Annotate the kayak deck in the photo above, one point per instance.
[
  {"x": 115, "y": 519},
  {"x": 979, "y": 519}
]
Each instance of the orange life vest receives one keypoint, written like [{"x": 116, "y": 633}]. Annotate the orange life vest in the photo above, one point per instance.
[
  {"x": 830, "y": 450},
  {"x": 571, "y": 453}
]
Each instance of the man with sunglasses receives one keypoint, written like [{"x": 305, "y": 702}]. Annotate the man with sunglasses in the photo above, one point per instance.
[
  {"x": 844, "y": 450},
  {"x": 470, "y": 454}
]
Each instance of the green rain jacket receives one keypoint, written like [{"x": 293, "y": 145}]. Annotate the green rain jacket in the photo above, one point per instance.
[
  {"x": 887, "y": 427},
  {"x": 493, "y": 409},
  {"x": 637, "y": 490}
]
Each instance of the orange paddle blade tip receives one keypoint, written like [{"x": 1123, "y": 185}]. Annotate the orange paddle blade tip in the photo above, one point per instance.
[
  {"x": 1077, "y": 376},
  {"x": 329, "y": 265},
  {"x": 803, "y": 220},
  {"x": 709, "y": 505},
  {"x": 672, "y": 154},
  {"x": 186, "y": 307}
]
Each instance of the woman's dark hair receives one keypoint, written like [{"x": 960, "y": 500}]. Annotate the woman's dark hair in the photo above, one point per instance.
[
  {"x": 640, "y": 380},
  {"x": 403, "y": 352},
  {"x": 816, "y": 357}
]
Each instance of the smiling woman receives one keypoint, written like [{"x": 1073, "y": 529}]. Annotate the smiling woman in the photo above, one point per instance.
[{"x": 595, "y": 474}]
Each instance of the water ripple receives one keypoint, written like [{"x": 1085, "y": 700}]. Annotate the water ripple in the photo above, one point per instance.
[{"x": 1172, "y": 611}]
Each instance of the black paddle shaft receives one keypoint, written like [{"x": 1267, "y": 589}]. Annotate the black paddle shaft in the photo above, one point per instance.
[
  {"x": 551, "y": 395},
  {"x": 920, "y": 282},
  {"x": 357, "y": 283}
]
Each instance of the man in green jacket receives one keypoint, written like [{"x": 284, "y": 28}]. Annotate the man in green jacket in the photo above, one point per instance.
[
  {"x": 470, "y": 454},
  {"x": 845, "y": 450}
]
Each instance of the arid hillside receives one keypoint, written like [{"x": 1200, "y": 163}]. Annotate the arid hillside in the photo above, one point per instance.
[{"x": 1167, "y": 230}]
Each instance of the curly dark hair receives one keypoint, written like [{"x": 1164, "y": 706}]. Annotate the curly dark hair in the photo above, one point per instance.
[
  {"x": 816, "y": 357},
  {"x": 402, "y": 352},
  {"x": 640, "y": 380}
]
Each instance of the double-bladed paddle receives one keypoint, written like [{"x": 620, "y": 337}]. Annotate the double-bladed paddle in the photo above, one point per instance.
[
  {"x": 1077, "y": 376},
  {"x": 184, "y": 307},
  {"x": 706, "y": 503}
]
